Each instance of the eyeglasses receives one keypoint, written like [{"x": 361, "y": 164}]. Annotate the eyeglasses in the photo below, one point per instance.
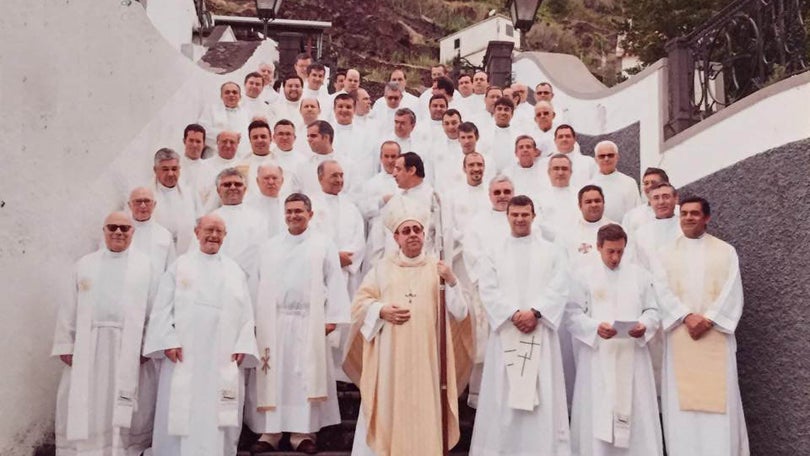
[
  {"x": 112, "y": 227},
  {"x": 232, "y": 184},
  {"x": 543, "y": 113},
  {"x": 406, "y": 231},
  {"x": 605, "y": 156},
  {"x": 500, "y": 192},
  {"x": 142, "y": 202}
]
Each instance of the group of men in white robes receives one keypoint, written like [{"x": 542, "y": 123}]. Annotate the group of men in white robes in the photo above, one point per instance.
[{"x": 240, "y": 261}]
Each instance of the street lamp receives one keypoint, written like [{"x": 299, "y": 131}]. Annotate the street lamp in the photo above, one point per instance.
[
  {"x": 267, "y": 10},
  {"x": 523, "y": 13}
]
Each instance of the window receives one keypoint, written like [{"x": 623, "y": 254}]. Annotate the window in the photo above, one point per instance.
[
  {"x": 457, "y": 43},
  {"x": 510, "y": 30}
]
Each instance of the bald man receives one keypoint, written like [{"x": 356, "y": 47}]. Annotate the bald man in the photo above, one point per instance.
[
  {"x": 150, "y": 237},
  {"x": 98, "y": 338}
]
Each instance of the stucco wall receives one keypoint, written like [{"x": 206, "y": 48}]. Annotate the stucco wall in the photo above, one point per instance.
[
  {"x": 89, "y": 91},
  {"x": 761, "y": 205}
]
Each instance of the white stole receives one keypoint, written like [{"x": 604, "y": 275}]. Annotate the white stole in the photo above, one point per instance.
[
  {"x": 614, "y": 298},
  {"x": 522, "y": 352},
  {"x": 228, "y": 370},
  {"x": 266, "y": 330},
  {"x": 134, "y": 299}
]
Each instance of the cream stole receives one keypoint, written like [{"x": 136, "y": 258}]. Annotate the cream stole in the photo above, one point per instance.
[
  {"x": 182, "y": 380},
  {"x": 134, "y": 297},
  {"x": 700, "y": 365},
  {"x": 614, "y": 298},
  {"x": 266, "y": 321},
  {"x": 522, "y": 352}
]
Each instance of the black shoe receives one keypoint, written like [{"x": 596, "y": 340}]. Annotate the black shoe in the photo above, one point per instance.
[
  {"x": 262, "y": 447},
  {"x": 307, "y": 446}
]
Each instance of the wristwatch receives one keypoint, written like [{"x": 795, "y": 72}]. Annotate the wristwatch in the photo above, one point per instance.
[{"x": 537, "y": 314}]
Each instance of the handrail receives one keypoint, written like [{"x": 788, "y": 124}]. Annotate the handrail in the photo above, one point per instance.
[{"x": 745, "y": 47}]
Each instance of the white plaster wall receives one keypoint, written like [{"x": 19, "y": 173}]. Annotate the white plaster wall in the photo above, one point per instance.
[
  {"x": 89, "y": 90},
  {"x": 476, "y": 38},
  {"x": 638, "y": 101},
  {"x": 782, "y": 116},
  {"x": 174, "y": 19}
]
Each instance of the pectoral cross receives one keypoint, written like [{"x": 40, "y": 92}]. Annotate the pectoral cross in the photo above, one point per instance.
[
  {"x": 410, "y": 296},
  {"x": 266, "y": 360},
  {"x": 584, "y": 248}
]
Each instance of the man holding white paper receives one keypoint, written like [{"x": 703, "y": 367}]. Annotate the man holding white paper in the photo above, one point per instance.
[{"x": 612, "y": 313}]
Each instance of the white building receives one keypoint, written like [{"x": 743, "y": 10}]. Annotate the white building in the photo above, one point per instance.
[{"x": 471, "y": 42}]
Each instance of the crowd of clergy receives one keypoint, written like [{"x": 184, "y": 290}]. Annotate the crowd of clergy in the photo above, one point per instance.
[{"x": 303, "y": 238}]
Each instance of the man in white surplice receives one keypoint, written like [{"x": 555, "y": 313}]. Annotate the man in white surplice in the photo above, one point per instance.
[
  {"x": 542, "y": 129},
  {"x": 583, "y": 167},
  {"x": 338, "y": 219},
  {"x": 288, "y": 106},
  {"x": 260, "y": 139},
  {"x": 247, "y": 229},
  {"x": 661, "y": 230},
  {"x": 558, "y": 202},
  {"x": 285, "y": 154},
  {"x": 526, "y": 172},
  {"x": 177, "y": 205},
  {"x": 469, "y": 199},
  {"x": 700, "y": 293},
  {"x": 579, "y": 241},
  {"x": 225, "y": 115},
  {"x": 353, "y": 141},
  {"x": 374, "y": 196},
  {"x": 192, "y": 162},
  {"x": 301, "y": 297},
  {"x": 523, "y": 282},
  {"x": 227, "y": 145},
  {"x": 269, "y": 202},
  {"x": 320, "y": 136},
  {"x": 150, "y": 238},
  {"x": 154, "y": 241},
  {"x": 447, "y": 155},
  {"x": 499, "y": 137},
  {"x": 580, "y": 238},
  {"x": 615, "y": 410},
  {"x": 621, "y": 190},
  {"x": 253, "y": 102},
  {"x": 462, "y": 206},
  {"x": 98, "y": 338},
  {"x": 644, "y": 213},
  {"x": 201, "y": 327}
]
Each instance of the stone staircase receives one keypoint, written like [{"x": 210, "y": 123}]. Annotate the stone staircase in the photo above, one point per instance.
[{"x": 337, "y": 440}]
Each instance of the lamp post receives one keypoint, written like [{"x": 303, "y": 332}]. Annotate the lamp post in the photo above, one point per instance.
[
  {"x": 267, "y": 10},
  {"x": 523, "y": 13}
]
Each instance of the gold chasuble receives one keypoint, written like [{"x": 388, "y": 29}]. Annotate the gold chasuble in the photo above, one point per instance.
[
  {"x": 700, "y": 366},
  {"x": 398, "y": 370}
]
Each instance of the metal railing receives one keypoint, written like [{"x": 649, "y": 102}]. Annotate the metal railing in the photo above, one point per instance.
[{"x": 746, "y": 46}]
